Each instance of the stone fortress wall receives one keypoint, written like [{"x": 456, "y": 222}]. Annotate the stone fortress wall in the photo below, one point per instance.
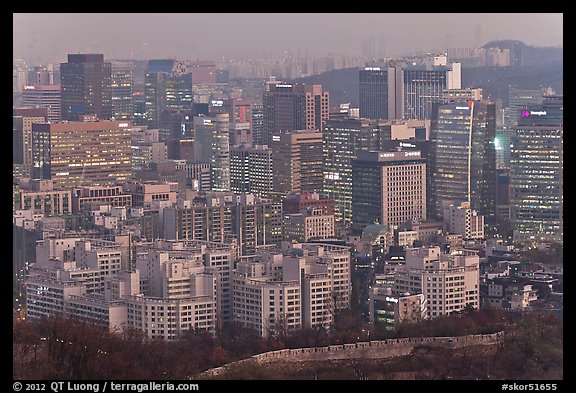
[{"x": 381, "y": 349}]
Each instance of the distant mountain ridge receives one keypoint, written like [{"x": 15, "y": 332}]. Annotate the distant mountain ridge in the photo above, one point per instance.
[{"x": 542, "y": 67}]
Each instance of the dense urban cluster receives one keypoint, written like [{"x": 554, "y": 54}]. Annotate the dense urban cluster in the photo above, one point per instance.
[{"x": 181, "y": 197}]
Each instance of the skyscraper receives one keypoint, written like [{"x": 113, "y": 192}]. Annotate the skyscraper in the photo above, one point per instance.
[
  {"x": 343, "y": 139},
  {"x": 122, "y": 89},
  {"x": 212, "y": 145},
  {"x": 297, "y": 164},
  {"x": 536, "y": 172},
  {"x": 86, "y": 87},
  {"x": 290, "y": 107},
  {"x": 424, "y": 84},
  {"x": 388, "y": 188},
  {"x": 380, "y": 94},
  {"x": 373, "y": 92},
  {"x": 463, "y": 159},
  {"x": 257, "y": 124}
]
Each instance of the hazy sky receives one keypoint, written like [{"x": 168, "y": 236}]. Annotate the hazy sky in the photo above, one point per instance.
[{"x": 215, "y": 35}]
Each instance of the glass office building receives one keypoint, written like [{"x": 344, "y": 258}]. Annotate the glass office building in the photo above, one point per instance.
[
  {"x": 536, "y": 172},
  {"x": 463, "y": 159}
]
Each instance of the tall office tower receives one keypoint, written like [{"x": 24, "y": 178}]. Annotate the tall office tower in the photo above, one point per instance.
[
  {"x": 86, "y": 87},
  {"x": 75, "y": 154},
  {"x": 122, "y": 90},
  {"x": 536, "y": 172},
  {"x": 155, "y": 85},
  {"x": 343, "y": 139},
  {"x": 290, "y": 107},
  {"x": 179, "y": 90},
  {"x": 176, "y": 125},
  {"x": 373, "y": 92},
  {"x": 212, "y": 145},
  {"x": 43, "y": 96},
  {"x": 424, "y": 84},
  {"x": 251, "y": 170},
  {"x": 463, "y": 159},
  {"x": 257, "y": 124},
  {"x": 298, "y": 163},
  {"x": 414, "y": 144},
  {"x": 22, "y": 120},
  {"x": 240, "y": 114},
  {"x": 380, "y": 92},
  {"x": 168, "y": 84},
  {"x": 388, "y": 188},
  {"x": 518, "y": 100}
]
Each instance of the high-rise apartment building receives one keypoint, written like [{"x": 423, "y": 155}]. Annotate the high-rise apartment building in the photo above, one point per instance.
[
  {"x": 86, "y": 87},
  {"x": 463, "y": 156},
  {"x": 299, "y": 286},
  {"x": 298, "y": 161},
  {"x": 221, "y": 217},
  {"x": 75, "y": 154},
  {"x": 536, "y": 172},
  {"x": 289, "y": 107},
  {"x": 448, "y": 282},
  {"x": 312, "y": 224},
  {"x": 388, "y": 188}
]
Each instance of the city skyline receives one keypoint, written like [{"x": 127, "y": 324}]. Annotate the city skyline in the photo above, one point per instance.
[{"x": 237, "y": 35}]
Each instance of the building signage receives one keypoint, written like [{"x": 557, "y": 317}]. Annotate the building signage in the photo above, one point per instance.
[
  {"x": 411, "y": 153},
  {"x": 123, "y": 125}
]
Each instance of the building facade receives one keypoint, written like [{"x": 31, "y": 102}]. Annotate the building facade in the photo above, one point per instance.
[
  {"x": 536, "y": 172},
  {"x": 388, "y": 188},
  {"x": 297, "y": 164},
  {"x": 343, "y": 139},
  {"x": 75, "y": 154},
  {"x": 251, "y": 170},
  {"x": 463, "y": 159},
  {"x": 86, "y": 87},
  {"x": 288, "y": 107}
]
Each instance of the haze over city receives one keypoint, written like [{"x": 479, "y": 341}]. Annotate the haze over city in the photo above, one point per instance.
[
  {"x": 286, "y": 196},
  {"x": 217, "y": 35}
]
